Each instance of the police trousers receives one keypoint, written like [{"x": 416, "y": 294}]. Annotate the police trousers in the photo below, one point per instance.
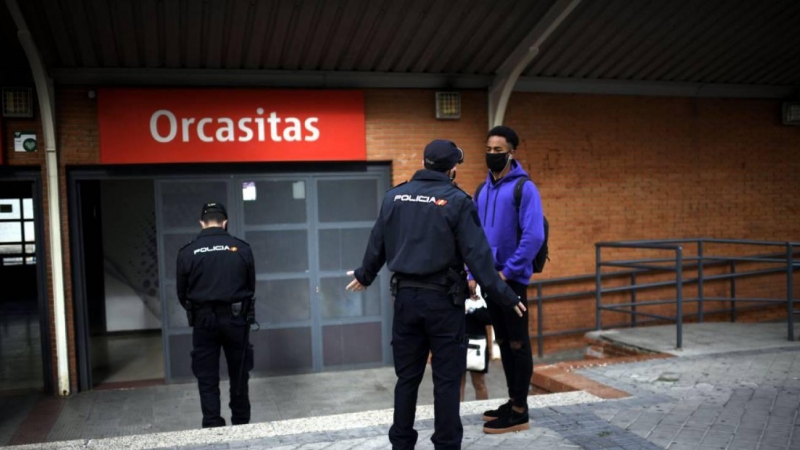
[
  {"x": 427, "y": 321},
  {"x": 212, "y": 332}
]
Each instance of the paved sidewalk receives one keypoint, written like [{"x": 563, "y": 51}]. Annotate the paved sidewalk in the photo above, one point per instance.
[
  {"x": 738, "y": 400},
  {"x": 102, "y": 414},
  {"x": 368, "y": 428},
  {"x": 733, "y": 401},
  {"x": 716, "y": 399}
]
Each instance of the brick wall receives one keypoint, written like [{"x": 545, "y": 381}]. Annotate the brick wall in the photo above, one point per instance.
[
  {"x": 401, "y": 122},
  {"x": 78, "y": 144},
  {"x": 607, "y": 167},
  {"x": 612, "y": 168},
  {"x": 622, "y": 168}
]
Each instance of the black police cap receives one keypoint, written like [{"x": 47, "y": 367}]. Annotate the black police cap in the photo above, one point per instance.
[
  {"x": 442, "y": 155},
  {"x": 214, "y": 208}
]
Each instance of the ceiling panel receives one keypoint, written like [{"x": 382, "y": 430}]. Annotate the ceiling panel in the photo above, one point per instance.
[{"x": 712, "y": 41}]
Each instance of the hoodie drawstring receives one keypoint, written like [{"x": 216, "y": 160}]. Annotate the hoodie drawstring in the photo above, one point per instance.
[
  {"x": 494, "y": 206},
  {"x": 486, "y": 206}
]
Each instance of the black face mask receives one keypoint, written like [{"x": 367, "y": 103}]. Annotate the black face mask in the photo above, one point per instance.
[
  {"x": 453, "y": 175},
  {"x": 496, "y": 162}
]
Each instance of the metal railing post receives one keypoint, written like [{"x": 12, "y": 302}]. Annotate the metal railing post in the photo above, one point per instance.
[
  {"x": 598, "y": 286},
  {"x": 733, "y": 292},
  {"x": 539, "y": 319},
  {"x": 700, "y": 282},
  {"x": 790, "y": 289},
  {"x": 633, "y": 300},
  {"x": 679, "y": 289}
]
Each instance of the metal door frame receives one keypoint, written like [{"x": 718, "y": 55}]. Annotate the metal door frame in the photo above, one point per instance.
[{"x": 79, "y": 301}]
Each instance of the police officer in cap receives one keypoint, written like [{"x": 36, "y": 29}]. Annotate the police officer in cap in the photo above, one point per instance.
[
  {"x": 427, "y": 230},
  {"x": 216, "y": 282}
]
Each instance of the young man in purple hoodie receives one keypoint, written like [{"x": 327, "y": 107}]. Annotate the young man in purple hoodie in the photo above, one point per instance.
[{"x": 515, "y": 236}]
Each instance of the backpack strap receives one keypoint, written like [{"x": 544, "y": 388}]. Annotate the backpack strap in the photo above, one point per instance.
[
  {"x": 518, "y": 191},
  {"x": 542, "y": 256}
]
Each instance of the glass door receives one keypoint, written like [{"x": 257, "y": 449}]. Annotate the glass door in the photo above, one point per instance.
[
  {"x": 306, "y": 232},
  {"x": 352, "y": 326},
  {"x": 275, "y": 217}
]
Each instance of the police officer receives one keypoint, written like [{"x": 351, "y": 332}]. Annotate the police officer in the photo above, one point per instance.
[
  {"x": 427, "y": 229},
  {"x": 216, "y": 282}
]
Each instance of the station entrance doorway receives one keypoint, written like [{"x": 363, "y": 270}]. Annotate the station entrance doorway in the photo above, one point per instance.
[{"x": 307, "y": 228}]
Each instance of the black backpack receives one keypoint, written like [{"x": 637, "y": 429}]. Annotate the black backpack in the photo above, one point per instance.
[{"x": 542, "y": 256}]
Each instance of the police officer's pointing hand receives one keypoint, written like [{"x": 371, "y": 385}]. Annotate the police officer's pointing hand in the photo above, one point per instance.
[{"x": 354, "y": 285}]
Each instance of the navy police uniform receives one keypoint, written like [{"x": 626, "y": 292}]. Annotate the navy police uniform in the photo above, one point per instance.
[
  {"x": 427, "y": 230},
  {"x": 216, "y": 283}
]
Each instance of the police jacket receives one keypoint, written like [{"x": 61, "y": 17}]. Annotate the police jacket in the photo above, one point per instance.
[
  {"x": 426, "y": 226},
  {"x": 215, "y": 267}
]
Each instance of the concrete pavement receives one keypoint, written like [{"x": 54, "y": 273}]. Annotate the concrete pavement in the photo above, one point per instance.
[{"x": 720, "y": 398}]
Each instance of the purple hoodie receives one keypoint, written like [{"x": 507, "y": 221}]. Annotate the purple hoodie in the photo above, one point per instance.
[{"x": 497, "y": 212}]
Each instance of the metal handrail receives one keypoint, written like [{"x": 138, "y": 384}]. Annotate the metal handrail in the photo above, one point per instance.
[
  {"x": 697, "y": 240},
  {"x": 788, "y": 263},
  {"x": 540, "y": 299}
]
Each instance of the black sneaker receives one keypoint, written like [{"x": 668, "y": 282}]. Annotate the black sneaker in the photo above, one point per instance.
[
  {"x": 493, "y": 414},
  {"x": 508, "y": 423}
]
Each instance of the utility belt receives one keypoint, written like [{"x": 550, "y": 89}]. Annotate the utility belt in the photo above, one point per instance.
[
  {"x": 217, "y": 309},
  {"x": 222, "y": 309},
  {"x": 450, "y": 282},
  {"x": 401, "y": 284}
]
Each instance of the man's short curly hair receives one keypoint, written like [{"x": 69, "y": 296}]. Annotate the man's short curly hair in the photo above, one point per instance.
[{"x": 505, "y": 132}]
